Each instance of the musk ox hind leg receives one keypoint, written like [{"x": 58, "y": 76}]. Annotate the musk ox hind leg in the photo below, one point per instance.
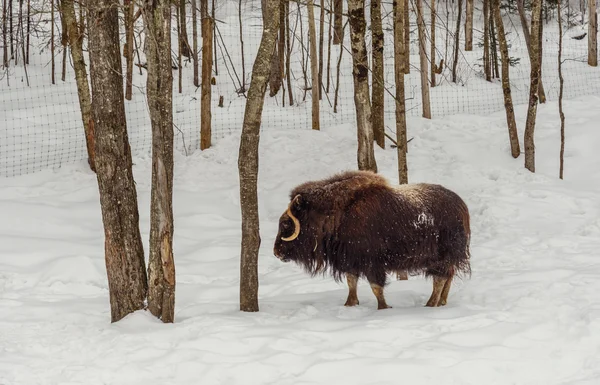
[
  {"x": 352, "y": 294},
  {"x": 438, "y": 287},
  {"x": 378, "y": 291}
]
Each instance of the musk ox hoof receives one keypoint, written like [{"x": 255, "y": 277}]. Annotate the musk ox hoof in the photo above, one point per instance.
[
  {"x": 382, "y": 307},
  {"x": 351, "y": 302}
]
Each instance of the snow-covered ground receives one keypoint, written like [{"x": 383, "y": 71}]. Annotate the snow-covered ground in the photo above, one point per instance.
[{"x": 530, "y": 313}]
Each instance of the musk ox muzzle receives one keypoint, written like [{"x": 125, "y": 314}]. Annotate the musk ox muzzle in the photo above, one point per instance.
[{"x": 356, "y": 225}]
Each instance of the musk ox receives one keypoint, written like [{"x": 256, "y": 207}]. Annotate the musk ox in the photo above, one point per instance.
[{"x": 358, "y": 225}]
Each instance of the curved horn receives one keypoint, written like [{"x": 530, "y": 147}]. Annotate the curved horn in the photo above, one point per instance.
[{"x": 296, "y": 225}]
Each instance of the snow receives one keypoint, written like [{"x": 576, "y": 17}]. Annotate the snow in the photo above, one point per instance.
[{"x": 529, "y": 314}]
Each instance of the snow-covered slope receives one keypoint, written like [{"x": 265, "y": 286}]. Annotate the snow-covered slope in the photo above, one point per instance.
[{"x": 530, "y": 313}]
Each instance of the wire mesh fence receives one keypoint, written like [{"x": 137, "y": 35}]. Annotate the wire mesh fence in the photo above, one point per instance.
[{"x": 42, "y": 126}]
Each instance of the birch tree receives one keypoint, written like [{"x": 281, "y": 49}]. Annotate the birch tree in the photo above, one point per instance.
[
  {"x": 378, "y": 78},
  {"x": 248, "y": 159},
  {"x": 536, "y": 15},
  {"x": 360, "y": 72},
  {"x": 508, "y": 104},
  {"x": 124, "y": 253}
]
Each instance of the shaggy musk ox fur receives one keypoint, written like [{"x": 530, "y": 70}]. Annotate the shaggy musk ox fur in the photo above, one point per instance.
[{"x": 355, "y": 224}]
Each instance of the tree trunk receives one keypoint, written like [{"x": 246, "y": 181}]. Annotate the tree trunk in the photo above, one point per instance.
[
  {"x": 275, "y": 79},
  {"x": 64, "y": 39},
  {"x": 360, "y": 72},
  {"x": 425, "y": 100},
  {"x": 508, "y": 104},
  {"x": 560, "y": 94},
  {"x": 207, "y": 62},
  {"x": 321, "y": 36},
  {"x": 4, "y": 40},
  {"x": 493, "y": 46},
  {"x": 248, "y": 159},
  {"x": 486, "y": 41},
  {"x": 456, "y": 41},
  {"x": 28, "y": 30},
  {"x": 407, "y": 37},
  {"x": 128, "y": 48},
  {"x": 184, "y": 41},
  {"x": 378, "y": 76},
  {"x": 288, "y": 55},
  {"x": 525, "y": 27},
  {"x": 53, "y": 66},
  {"x": 161, "y": 266},
  {"x": 243, "y": 89},
  {"x": 469, "y": 26},
  {"x": 124, "y": 253},
  {"x": 281, "y": 45},
  {"x": 432, "y": 37},
  {"x": 592, "y": 34},
  {"x": 337, "y": 73},
  {"x": 314, "y": 65},
  {"x": 83, "y": 89},
  {"x": 338, "y": 28},
  {"x": 195, "y": 43},
  {"x": 399, "y": 51},
  {"x": 329, "y": 38},
  {"x": 179, "y": 49},
  {"x": 536, "y": 15},
  {"x": 542, "y": 95}
]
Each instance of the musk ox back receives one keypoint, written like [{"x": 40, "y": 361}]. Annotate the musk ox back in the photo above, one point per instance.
[{"x": 356, "y": 224}]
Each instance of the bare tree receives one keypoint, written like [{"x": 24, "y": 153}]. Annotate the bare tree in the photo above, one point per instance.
[
  {"x": 487, "y": 70},
  {"x": 400, "y": 51},
  {"x": 469, "y": 26},
  {"x": 407, "y": 37},
  {"x": 329, "y": 38},
  {"x": 536, "y": 15},
  {"x": 83, "y": 89},
  {"x": 161, "y": 267},
  {"x": 248, "y": 159},
  {"x": 243, "y": 89},
  {"x": 4, "y": 40},
  {"x": 425, "y": 99},
  {"x": 592, "y": 34},
  {"x": 338, "y": 33},
  {"x": 321, "y": 38},
  {"x": 526, "y": 34},
  {"x": 128, "y": 47},
  {"x": 432, "y": 38},
  {"x": 360, "y": 72},
  {"x": 508, "y": 104},
  {"x": 207, "y": 64},
  {"x": 183, "y": 41},
  {"x": 378, "y": 78},
  {"x": 560, "y": 93},
  {"x": 314, "y": 65},
  {"x": 456, "y": 41},
  {"x": 53, "y": 66},
  {"x": 276, "y": 77},
  {"x": 195, "y": 43},
  {"x": 124, "y": 253}
]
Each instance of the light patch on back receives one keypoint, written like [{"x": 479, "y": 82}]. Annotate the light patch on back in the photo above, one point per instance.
[{"x": 412, "y": 192}]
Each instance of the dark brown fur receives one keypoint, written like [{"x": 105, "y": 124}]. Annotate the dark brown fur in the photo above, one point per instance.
[{"x": 356, "y": 223}]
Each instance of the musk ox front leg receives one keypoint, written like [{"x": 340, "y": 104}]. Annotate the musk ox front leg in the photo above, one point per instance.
[
  {"x": 439, "y": 283},
  {"x": 352, "y": 294}
]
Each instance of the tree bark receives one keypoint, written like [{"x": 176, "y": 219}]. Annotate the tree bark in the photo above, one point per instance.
[
  {"x": 487, "y": 70},
  {"x": 432, "y": 38},
  {"x": 161, "y": 267},
  {"x": 124, "y": 253},
  {"x": 243, "y": 89},
  {"x": 321, "y": 37},
  {"x": 329, "y": 38},
  {"x": 207, "y": 63},
  {"x": 338, "y": 31},
  {"x": 425, "y": 99},
  {"x": 399, "y": 51},
  {"x": 469, "y": 26},
  {"x": 508, "y": 104},
  {"x": 276, "y": 77},
  {"x": 378, "y": 75},
  {"x": 407, "y": 37},
  {"x": 83, "y": 89},
  {"x": 456, "y": 43},
  {"x": 53, "y": 66},
  {"x": 288, "y": 55},
  {"x": 128, "y": 48},
  {"x": 560, "y": 94},
  {"x": 183, "y": 41},
  {"x": 248, "y": 159},
  {"x": 592, "y": 34},
  {"x": 536, "y": 15},
  {"x": 195, "y": 43},
  {"x": 314, "y": 65},
  {"x": 525, "y": 27},
  {"x": 4, "y": 40},
  {"x": 360, "y": 72}
]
